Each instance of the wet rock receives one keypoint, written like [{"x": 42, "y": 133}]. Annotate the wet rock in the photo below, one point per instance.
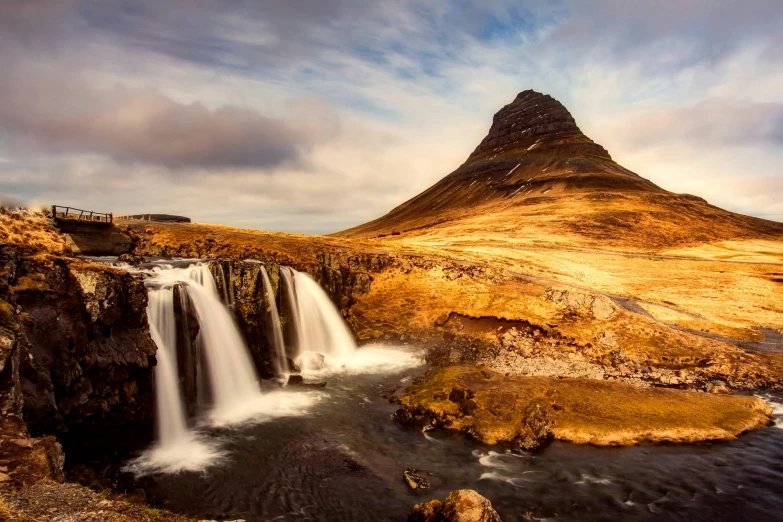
[
  {"x": 414, "y": 479},
  {"x": 298, "y": 380},
  {"x": 292, "y": 366},
  {"x": 131, "y": 259},
  {"x": 431, "y": 511},
  {"x": 294, "y": 380},
  {"x": 537, "y": 428},
  {"x": 463, "y": 505}
]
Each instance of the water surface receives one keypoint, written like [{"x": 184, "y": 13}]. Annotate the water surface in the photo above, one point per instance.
[{"x": 343, "y": 461}]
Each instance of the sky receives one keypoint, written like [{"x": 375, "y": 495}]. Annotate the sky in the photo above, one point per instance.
[{"x": 313, "y": 116}]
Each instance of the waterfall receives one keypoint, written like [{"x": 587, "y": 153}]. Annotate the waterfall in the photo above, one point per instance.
[
  {"x": 275, "y": 330},
  {"x": 321, "y": 328},
  {"x": 168, "y": 402},
  {"x": 232, "y": 376},
  {"x": 287, "y": 275},
  {"x": 227, "y": 290},
  {"x": 187, "y": 352},
  {"x": 221, "y": 363}
]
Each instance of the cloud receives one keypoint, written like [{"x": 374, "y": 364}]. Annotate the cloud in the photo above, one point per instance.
[
  {"x": 70, "y": 116},
  {"x": 316, "y": 115},
  {"x": 709, "y": 123}
]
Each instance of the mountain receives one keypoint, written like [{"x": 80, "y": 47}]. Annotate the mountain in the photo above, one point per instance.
[{"x": 536, "y": 174}]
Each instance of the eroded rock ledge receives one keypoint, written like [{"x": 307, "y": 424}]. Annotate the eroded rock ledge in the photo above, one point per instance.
[{"x": 527, "y": 411}]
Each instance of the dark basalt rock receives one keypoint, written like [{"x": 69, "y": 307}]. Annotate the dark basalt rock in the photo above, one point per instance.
[
  {"x": 85, "y": 356},
  {"x": 295, "y": 380},
  {"x": 414, "y": 479},
  {"x": 131, "y": 259},
  {"x": 534, "y": 117},
  {"x": 292, "y": 366}
]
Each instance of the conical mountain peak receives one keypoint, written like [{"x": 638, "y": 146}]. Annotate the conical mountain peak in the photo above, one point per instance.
[{"x": 535, "y": 121}]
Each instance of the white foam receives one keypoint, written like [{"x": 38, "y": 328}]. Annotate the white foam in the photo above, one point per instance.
[
  {"x": 777, "y": 407},
  {"x": 430, "y": 438},
  {"x": 589, "y": 479},
  {"x": 190, "y": 453},
  {"x": 370, "y": 359},
  {"x": 491, "y": 475},
  {"x": 265, "y": 407},
  {"x": 492, "y": 459}
]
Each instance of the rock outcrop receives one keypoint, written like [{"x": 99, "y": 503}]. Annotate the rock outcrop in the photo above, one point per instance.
[
  {"x": 599, "y": 306},
  {"x": 535, "y": 118},
  {"x": 526, "y": 411},
  {"x": 78, "y": 357},
  {"x": 462, "y": 505}
]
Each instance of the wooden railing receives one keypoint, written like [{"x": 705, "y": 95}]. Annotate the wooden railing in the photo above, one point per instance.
[{"x": 77, "y": 214}]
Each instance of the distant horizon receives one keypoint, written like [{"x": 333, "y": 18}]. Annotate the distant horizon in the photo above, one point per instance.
[{"x": 321, "y": 116}]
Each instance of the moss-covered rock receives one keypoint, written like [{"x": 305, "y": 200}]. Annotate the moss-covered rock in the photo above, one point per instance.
[{"x": 525, "y": 411}]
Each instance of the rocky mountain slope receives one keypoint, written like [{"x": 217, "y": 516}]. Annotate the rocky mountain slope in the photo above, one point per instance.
[{"x": 537, "y": 174}]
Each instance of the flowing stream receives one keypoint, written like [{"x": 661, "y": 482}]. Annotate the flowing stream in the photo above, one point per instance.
[{"x": 344, "y": 460}]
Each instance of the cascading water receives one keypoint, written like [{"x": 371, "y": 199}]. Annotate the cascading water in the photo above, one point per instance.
[
  {"x": 287, "y": 275},
  {"x": 321, "y": 328},
  {"x": 232, "y": 376},
  {"x": 275, "y": 329},
  {"x": 232, "y": 381},
  {"x": 177, "y": 449},
  {"x": 226, "y": 288},
  {"x": 168, "y": 402}
]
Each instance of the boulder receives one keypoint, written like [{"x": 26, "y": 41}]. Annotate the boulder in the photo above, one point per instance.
[
  {"x": 294, "y": 380},
  {"x": 462, "y": 505},
  {"x": 292, "y": 366},
  {"x": 131, "y": 259},
  {"x": 298, "y": 380},
  {"x": 414, "y": 479}
]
